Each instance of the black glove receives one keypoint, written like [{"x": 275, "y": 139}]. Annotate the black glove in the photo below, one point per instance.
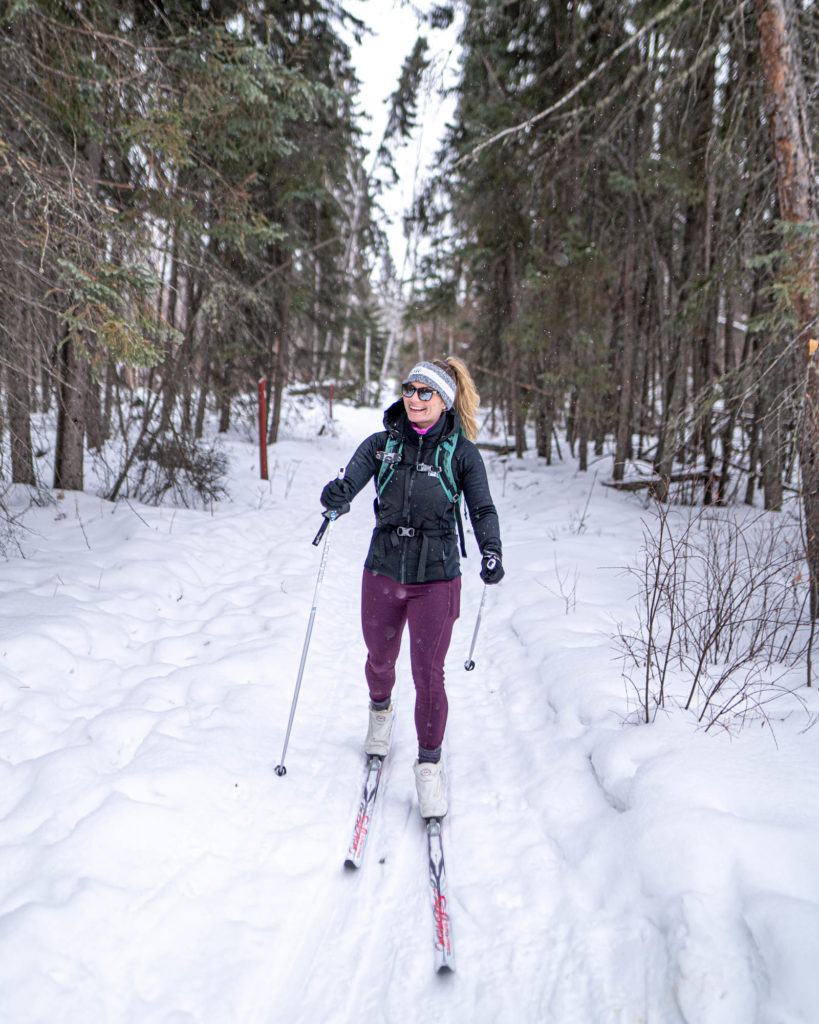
[
  {"x": 491, "y": 568},
  {"x": 334, "y": 497}
]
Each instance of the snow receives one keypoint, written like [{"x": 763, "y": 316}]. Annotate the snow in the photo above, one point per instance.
[{"x": 153, "y": 867}]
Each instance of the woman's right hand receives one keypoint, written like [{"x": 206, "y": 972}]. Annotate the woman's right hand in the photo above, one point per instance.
[{"x": 334, "y": 497}]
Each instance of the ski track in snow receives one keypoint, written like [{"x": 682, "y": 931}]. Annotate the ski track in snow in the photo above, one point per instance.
[{"x": 153, "y": 868}]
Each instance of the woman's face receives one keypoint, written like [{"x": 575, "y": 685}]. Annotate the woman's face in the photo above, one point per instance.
[{"x": 423, "y": 414}]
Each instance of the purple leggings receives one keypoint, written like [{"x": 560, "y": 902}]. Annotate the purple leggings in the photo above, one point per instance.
[{"x": 431, "y": 610}]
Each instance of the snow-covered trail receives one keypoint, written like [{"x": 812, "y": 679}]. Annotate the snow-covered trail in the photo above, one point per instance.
[{"x": 153, "y": 868}]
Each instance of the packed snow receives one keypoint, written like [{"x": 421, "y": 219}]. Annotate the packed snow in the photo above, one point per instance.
[{"x": 154, "y": 868}]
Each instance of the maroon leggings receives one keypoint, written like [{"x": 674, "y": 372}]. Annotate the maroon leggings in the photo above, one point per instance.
[{"x": 431, "y": 610}]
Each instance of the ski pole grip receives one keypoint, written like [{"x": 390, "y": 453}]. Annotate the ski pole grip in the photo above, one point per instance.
[{"x": 328, "y": 518}]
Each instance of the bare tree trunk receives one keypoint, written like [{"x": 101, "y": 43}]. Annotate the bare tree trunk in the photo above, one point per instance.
[
  {"x": 94, "y": 418},
  {"x": 772, "y": 439},
  {"x": 627, "y": 328},
  {"x": 544, "y": 410},
  {"x": 18, "y": 396},
  {"x": 753, "y": 453},
  {"x": 204, "y": 389},
  {"x": 571, "y": 420},
  {"x": 172, "y": 360},
  {"x": 281, "y": 368},
  {"x": 386, "y": 363},
  {"x": 733, "y": 398},
  {"x": 583, "y": 441},
  {"x": 692, "y": 350},
  {"x": 71, "y": 389},
  {"x": 108, "y": 399},
  {"x": 225, "y": 393},
  {"x": 793, "y": 156},
  {"x": 672, "y": 413},
  {"x": 518, "y": 408},
  {"x": 343, "y": 369},
  {"x": 365, "y": 390},
  {"x": 19, "y": 424}
]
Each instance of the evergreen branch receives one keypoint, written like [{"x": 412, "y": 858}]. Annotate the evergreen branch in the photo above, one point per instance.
[
  {"x": 666, "y": 12},
  {"x": 89, "y": 30},
  {"x": 283, "y": 266}
]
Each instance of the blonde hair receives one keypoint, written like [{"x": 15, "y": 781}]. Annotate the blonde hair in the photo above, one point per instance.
[{"x": 467, "y": 398}]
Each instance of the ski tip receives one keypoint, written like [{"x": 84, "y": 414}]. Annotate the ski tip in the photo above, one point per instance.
[
  {"x": 350, "y": 865},
  {"x": 445, "y": 969}
]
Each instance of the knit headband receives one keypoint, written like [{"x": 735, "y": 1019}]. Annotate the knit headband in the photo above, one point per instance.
[{"x": 436, "y": 378}]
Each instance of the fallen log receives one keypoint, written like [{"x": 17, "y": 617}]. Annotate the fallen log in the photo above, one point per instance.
[{"x": 699, "y": 476}]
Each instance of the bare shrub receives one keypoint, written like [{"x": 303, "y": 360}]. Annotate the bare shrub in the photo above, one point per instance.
[
  {"x": 181, "y": 468},
  {"x": 722, "y": 609},
  {"x": 157, "y": 462},
  {"x": 16, "y": 500},
  {"x": 566, "y": 587},
  {"x": 10, "y": 528}
]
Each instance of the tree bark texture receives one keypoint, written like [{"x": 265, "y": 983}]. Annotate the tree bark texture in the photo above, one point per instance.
[
  {"x": 71, "y": 388},
  {"x": 793, "y": 156},
  {"x": 18, "y": 397},
  {"x": 627, "y": 329}
]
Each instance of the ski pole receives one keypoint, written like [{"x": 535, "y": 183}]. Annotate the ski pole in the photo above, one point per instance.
[
  {"x": 469, "y": 664},
  {"x": 329, "y": 519}
]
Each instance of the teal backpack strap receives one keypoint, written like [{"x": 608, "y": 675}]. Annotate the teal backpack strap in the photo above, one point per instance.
[
  {"x": 389, "y": 458},
  {"x": 443, "y": 462}
]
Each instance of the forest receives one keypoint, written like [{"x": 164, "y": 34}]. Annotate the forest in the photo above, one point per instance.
[{"x": 620, "y": 236}]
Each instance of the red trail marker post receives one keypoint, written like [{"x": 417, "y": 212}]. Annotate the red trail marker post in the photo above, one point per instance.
[{"x": 263, "y": 428}]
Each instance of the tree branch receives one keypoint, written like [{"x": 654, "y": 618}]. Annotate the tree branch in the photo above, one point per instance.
[{"x": 666, "y": 12}]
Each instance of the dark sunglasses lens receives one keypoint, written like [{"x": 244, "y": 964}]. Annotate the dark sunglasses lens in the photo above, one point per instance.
[{"x": 423, "y": 393}]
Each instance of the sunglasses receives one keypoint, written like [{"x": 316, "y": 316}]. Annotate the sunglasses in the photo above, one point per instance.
[{"x": 424, "y": 393}]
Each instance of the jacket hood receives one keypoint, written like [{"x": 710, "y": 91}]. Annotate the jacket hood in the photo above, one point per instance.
[{"x": 398, "y": 425}]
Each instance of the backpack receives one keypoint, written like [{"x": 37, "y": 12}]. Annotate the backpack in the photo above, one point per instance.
[{"x": 441, "y": 470}]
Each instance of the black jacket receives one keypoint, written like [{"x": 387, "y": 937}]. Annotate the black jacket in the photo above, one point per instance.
[{"x": 412, "y": 498}]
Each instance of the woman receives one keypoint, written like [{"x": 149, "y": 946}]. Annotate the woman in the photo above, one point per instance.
[{"x": 421, "y": 462}]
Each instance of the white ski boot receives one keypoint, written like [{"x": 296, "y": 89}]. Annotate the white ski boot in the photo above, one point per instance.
[
  {"x": 429, "y": 782},
  {"x": 377, "y": 743}
]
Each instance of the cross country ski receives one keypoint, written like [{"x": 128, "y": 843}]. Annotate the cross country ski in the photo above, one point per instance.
[
  {"x": 439, "y": 896},
  {"x": 364, "y": 815}
]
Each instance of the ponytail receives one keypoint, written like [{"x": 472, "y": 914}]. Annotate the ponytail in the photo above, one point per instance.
[{"x": 467, "y": 398}]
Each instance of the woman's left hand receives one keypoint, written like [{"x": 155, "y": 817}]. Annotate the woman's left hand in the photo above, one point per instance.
[{"x": 492, "y": 568}]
